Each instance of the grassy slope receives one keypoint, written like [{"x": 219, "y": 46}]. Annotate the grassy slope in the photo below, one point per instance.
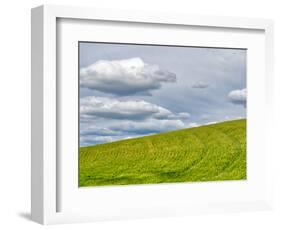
[{"x": 206, "y": 153}]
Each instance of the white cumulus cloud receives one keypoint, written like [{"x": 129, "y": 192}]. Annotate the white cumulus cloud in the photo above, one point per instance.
[
  {"x": 238, "y": 96},
  {"x": 124, "y": 77}
]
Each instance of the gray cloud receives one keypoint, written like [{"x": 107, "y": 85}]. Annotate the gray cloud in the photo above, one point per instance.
[
  {"x": 238, "y": 96},
  {"x": 108, "y": 119},
  {"x": 94, "y": 139},
  {"x": 124, "y": 129},
  {"x": 200, "y": 85},
  {"x": 125, "y": 109},
  {"x": 96, "y": 131},
  {"x": 124, "y": 77}
]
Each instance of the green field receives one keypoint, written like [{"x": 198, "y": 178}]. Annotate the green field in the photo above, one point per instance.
[{"x": 207, "y": 153}]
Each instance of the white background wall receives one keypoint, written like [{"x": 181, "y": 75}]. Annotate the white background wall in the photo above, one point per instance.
[{"x": 15, "y": 113}]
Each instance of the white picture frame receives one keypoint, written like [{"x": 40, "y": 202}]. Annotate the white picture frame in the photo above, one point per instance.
[{"x": 46, "y": 196}]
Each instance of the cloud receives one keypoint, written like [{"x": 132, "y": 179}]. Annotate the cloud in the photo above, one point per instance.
[
  {"x": 238, "y": 96},
  {"x": 96, "y": 131},
  {"x": 111, "y": 108},
  {"x": 148, "y": 126},
  {"x": 193, "y": 124},
  {"x": 109, "y": 119},
  {"x": 93, "y": 140},
  {"x": 123, "y": 129},
  {"x": 200, "y": 85},
  {"x": 124, "y": 77},
  {"x": 211, "y": 123}
]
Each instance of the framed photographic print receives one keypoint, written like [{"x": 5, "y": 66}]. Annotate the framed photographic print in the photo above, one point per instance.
[
  {"x": 143, "y": 124},
  {"x": 139, "y": 114}
]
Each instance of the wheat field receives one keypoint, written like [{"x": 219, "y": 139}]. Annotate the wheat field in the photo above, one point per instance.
[{"x": 208, "y": 153}]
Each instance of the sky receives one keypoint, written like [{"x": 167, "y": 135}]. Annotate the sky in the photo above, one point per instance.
[{"x": 129, "y": 90}]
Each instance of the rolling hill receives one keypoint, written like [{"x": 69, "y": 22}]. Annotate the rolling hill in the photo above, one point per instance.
[{"x": 207, "y": 153}]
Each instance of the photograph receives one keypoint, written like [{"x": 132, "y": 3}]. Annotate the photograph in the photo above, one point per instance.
[{"x": 153, "y": 113}]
